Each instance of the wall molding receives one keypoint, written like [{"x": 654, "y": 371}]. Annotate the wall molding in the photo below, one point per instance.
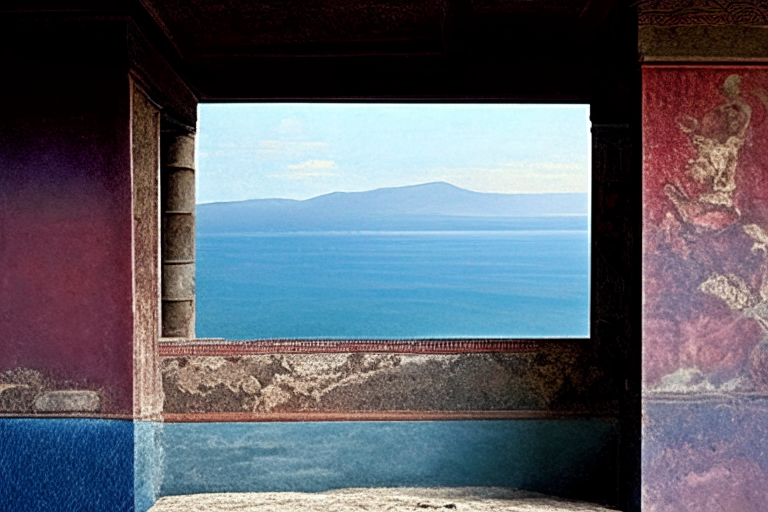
[
  {"x": 434, "y": 346},
  {"x": 255, "y": 417},
  {"x": 702, "y": 12}
]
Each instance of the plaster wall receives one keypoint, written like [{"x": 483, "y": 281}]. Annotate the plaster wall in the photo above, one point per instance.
[
  {"x": 65, "y": 229},
  {"x": 570, "y": 458},
  {"x": 705, "y": 214},
  {"x": 79, "y": 271}
]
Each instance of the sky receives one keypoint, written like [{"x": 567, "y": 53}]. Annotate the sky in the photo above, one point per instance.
[{"x": 298, "y": 151}]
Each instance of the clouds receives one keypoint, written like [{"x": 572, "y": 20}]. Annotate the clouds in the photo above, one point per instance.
[
  {"x": 288, "y": 148},
  {"x": 290, "y": 141},
  {"x": 253, "y": 150},
  {"x": 309, "y": 169},
  {"x": 290, "y": 127},
  {"x": 299, "y": 151},
  {"x": 313, "y": 164},
  {"x": 519, "y": 177}
]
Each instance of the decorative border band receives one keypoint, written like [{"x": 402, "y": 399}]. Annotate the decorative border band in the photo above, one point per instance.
[
  {"x": 436, "y": 346},
  {"x": 256, "y": 417},
  {"x": 701, "y": 12}
]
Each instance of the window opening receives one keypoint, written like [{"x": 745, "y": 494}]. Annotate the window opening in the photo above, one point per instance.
[{"x": 393, "y": 221}]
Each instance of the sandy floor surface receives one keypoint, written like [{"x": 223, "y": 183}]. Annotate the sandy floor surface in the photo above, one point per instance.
[{"x": 402, "y": 499}]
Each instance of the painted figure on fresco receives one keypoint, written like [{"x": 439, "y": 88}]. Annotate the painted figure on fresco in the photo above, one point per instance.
[
  {"x": 726, "y": 254},
  {"x": 705, "y": 279},
  {"x": 718, "y": 137}
]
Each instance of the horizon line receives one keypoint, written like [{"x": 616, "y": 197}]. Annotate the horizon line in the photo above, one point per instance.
[{"x": 387, "y": 188}]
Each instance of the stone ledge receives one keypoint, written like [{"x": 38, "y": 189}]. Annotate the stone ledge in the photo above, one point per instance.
[{"x": 469, "y": 499}]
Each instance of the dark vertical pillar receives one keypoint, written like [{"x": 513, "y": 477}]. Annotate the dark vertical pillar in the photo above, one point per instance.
[
  {"x": 614, "y": 292},
  {"x": 178, "y": 238}
]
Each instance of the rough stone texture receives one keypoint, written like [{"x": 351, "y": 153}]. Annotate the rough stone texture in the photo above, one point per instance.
[
  {"x": 19, "y": 388},
  {"x": 475, "y": 499},
  {"x": 23, "y": 390},
  {"x": 557, "y": 378},
  {"x": 68, "y": 401},
  {"x": 179, "y": 281},
  {"x": 178, "y": 235},
  {"x": 147, "y": 386}
]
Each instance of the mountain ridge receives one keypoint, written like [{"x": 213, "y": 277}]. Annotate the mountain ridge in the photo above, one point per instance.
[{"x": 416, "y": 203}]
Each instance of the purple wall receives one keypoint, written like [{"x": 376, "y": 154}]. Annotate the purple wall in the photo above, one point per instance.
[{"x": 65, "y": 229}]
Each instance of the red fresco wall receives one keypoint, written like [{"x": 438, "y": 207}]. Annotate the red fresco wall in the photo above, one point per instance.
[
  {"x": 703, "y": 237},
  {"x": 705, "y": 279},
  {"x": 65, "y": 229}
]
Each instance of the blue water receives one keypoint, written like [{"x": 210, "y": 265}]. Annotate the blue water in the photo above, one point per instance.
[{"x": 393, "y": 284}]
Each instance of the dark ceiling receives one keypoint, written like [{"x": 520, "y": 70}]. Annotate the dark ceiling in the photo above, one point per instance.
[
  {"x": 444, "y": 50},
  {"x": 204, "y": 31},
  {"x": 521, "y": 50}
]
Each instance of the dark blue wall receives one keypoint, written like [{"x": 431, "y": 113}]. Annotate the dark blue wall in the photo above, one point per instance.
[{"x": 62, "y": 465}]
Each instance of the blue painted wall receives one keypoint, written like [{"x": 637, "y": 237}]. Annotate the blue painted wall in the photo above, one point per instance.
[
  {"x": 64, "y": 465},
  {"x": 570, "y": 458},
  {"x": 95, "y": 465}
]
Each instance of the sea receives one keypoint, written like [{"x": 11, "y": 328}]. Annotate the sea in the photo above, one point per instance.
[{"x": 405, "y": 284}]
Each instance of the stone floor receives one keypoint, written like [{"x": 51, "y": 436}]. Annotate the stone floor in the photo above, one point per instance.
[{"x": 403, "y": 499}]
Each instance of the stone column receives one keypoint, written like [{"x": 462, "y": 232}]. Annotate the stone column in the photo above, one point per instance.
[{"x": 178, "y": 235}]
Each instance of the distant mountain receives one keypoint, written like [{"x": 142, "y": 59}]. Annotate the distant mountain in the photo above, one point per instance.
[{"x": 428, "y": 206}]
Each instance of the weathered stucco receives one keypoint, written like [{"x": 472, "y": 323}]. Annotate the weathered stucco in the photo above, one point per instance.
[
  {"x": 556, "y": 378},
  {"x": 145, "y": 148},
  {"x": 26, "y": 391}
]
